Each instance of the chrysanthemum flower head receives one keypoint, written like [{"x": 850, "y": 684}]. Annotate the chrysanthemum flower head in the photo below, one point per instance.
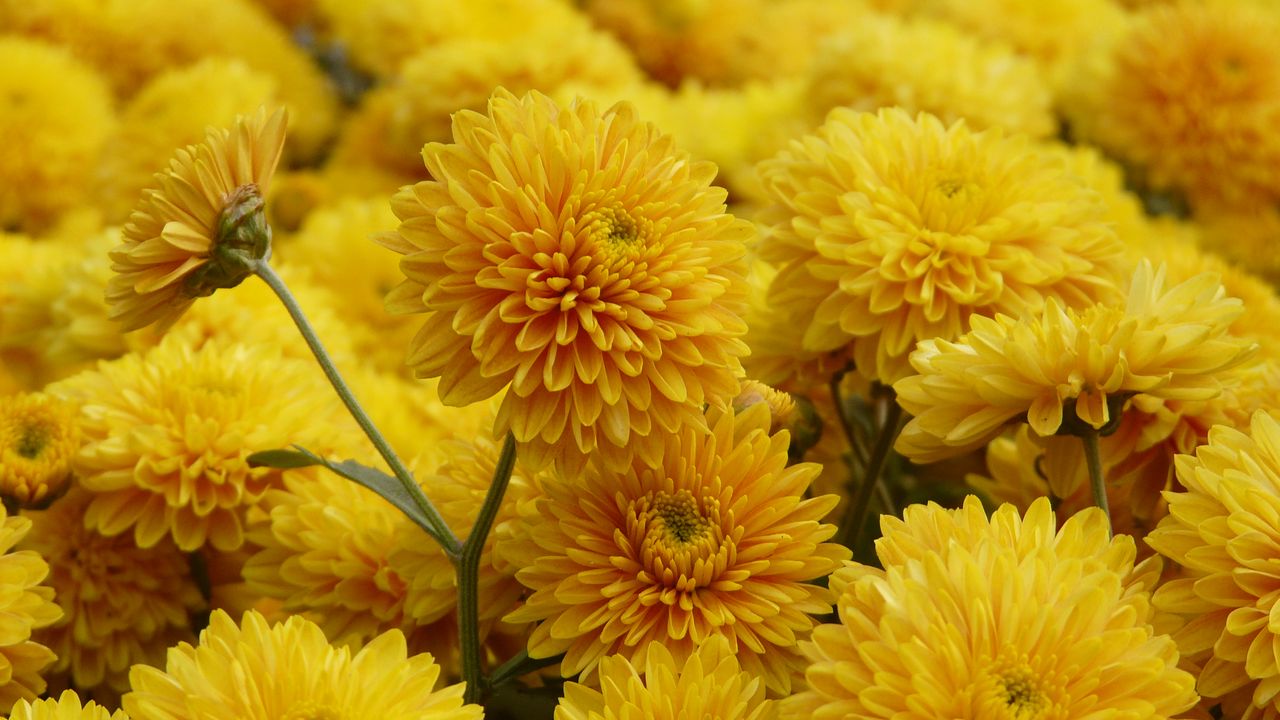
[
  {"x": 710, "y": 684},
  {"x": 1224, "y": 531},
  {"x": 718, "y": 540},
  {"x": 25, "y": 606},
  {"x": 1071, "y": 368},
  {"x": 168, "y": 434},
  {"x": 580, "y": 259},
  {"x": 56, "y": 116},
  {"x": 67, "y": 706},
  {"x": 1007, "y": 617},
  {"x": 38, "y": 438},
  {"x": 292, "y": 672},
  {"x": 121, "y": 604},
  {"x": 888, "y": 230},
  {"x": 200, "y": 226}
]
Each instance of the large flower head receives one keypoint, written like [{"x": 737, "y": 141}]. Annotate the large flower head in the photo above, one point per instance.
[
  {"x": 38, "y": 438},
  {"x": 1069, "y": 367},
  {"x": 289, "y": 670},
  {"x": 1224, "y": 533},
  {"x": 718, "y": 540},
  {"x": 889, "y": 230},
  {"x": 710, "y": 684},
  {"x": 190, "y": 232},
  {"x": 577, "y": 257},
  {"x": 1007, "y": 617},
  {"x": 168, "y": 434},
  {"x": 25, "y": 606}
]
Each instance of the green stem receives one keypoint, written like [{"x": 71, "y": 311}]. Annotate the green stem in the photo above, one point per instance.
[
  {"x": 1096, "y": 479},
  {"x": 519, "y": 665},
  {"x": 469, "y": 571},
  {"x": 842, "y": 413},
  {"x": 442, "y": 533},
  {"x": 855, "y": 516}
]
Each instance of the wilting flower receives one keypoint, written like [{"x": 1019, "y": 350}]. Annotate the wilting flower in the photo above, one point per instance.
[
  {"x": 38, "y": 438},
  {"x": 121, "y": 604},
  {"x": 66, "y": 707},
  {"x": 889, "y": 230},
  {"x": 25, "y": 606},
  {"x": 1070, "y": 368},
  {"x": 718, "y": 540},
  {"x": 200, "y": 226},
  {"x": 579, "y": 258},
  {"x": 168, "y": 434},
  {"x": 710, "y": 684},
  {"x": 1006, "y": 617},
  {"x": 1224, "y": 532},
  {"x": 289, "y": 670}
]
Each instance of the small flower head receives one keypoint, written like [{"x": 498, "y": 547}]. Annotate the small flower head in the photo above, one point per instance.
[
  {"x": 38, "y": 439},
  {"x": 201, "y": 228}
]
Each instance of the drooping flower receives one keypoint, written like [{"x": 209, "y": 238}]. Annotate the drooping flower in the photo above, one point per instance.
[
  {"x": 889, "y": 230},
  {"x": 289, "y": 670},
  {"x": 718, "y": 540},
  {"x": 196, "y": 229},
  {"x": 579, "y": 258},
  {"x": 38, "y": 438},
  {"x": 1069, "y": 367},
  {"x": 25, "y": 606},
  {"x": 168, "y": 433},
  {"x": 710, "y": 684},
  {"x": 1224, "y": 534},
  {"x": 1006, "y": 617},
  {"x": 121, "y": 604},
  {"x": 66, "y": 707}
]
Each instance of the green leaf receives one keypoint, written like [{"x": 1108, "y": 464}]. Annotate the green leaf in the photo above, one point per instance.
[{"x": 283, "y": 459}]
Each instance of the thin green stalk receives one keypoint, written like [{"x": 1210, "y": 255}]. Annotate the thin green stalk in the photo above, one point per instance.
[
  {"x": 442, "y": 533},
  {"x": 1096, "y": 480},
  {"x": 469, "y": 571},
  {"x": 855, "y": 516}
]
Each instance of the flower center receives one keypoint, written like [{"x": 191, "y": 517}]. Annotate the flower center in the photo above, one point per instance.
[
  {"x": 1018, "y": 692},
  {"x": 677, "y": 516},
  {"x": 32, "y": 439},
  {"x": 614, "y": 232},
  {"x": 680, "y": 541}
]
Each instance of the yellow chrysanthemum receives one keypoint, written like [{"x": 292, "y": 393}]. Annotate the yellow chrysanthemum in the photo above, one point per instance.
[
  {"x": 718, "y": 540},
  {"x": 889, "y": 230},
  {"x": 25, "y": 606},
  {"x": 288, "y": 671},
  {"x": 1223, "y": 532},
  {"x": 1006, "y": 617},
  {"x": 710, "y": 684},
  {"x": 1068, "y": 367},
  {"x": 55, "y": 116},
  {"x": 1191, "y": 97},
  {"x": 921, "y": 65},
  {"x": 66, "y": 707},
  {"x": 461, "y": 74},
  {"x": 172, "y": 111},
  {"x": 174, "y": 240},
  {"x": 168, "y": 434},
  {"x": 579, "y": 258},
  {"x": 121, "y": 604},
  {"x": 38, "y": 439},
  {"x": 1247, "y": 236}
]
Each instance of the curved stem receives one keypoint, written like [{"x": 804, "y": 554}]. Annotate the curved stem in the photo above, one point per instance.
[
  {"x": 1097, "y": 481},
  {"x": 469, "y": 571},
  {"x": 855, "y": 517},
  {"x": 439, "y": 528}
]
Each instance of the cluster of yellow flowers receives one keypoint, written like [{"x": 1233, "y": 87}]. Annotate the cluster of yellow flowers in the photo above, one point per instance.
[{"x": 429, "y": 359}]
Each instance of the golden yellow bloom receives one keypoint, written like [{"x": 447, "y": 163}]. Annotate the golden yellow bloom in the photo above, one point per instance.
[
  {"x": 1001, "y": 618},
  {"x": 1067, "y": 367},
  {"x": 889, "y": 230},
  {"x": 289, "y": 670},
  {"x": 1223, "y": 532},
  {"x": 710, "y": 684},
  {"x": 603, "y": 283},
  {"x": 38, "y": 439},
  {"x": 55, "y": 116},
  {"x": 1247, "y": 236},
  {"x": 718, "y": 540},
  {"x": 25, "y": 606},
  {"x": 172, "y": 111},
  {"x": 923, "y": 65},
  {"x": 1191, "y": 97},
  {"x": 202, "y": 209},
  {"x": 121, "y": 604},
  {"x": 66, "y": 707},
  {"x": 168, "y": 434}
]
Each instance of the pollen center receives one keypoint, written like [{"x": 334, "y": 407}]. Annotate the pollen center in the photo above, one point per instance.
[
  {"x": 1022, "y": 693},
  {"x": 680, "y": 541},
  {"x": 677, "y": 515},
  {"x": 32, "y": 439},
  {"x": 613, "y": 230}
]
